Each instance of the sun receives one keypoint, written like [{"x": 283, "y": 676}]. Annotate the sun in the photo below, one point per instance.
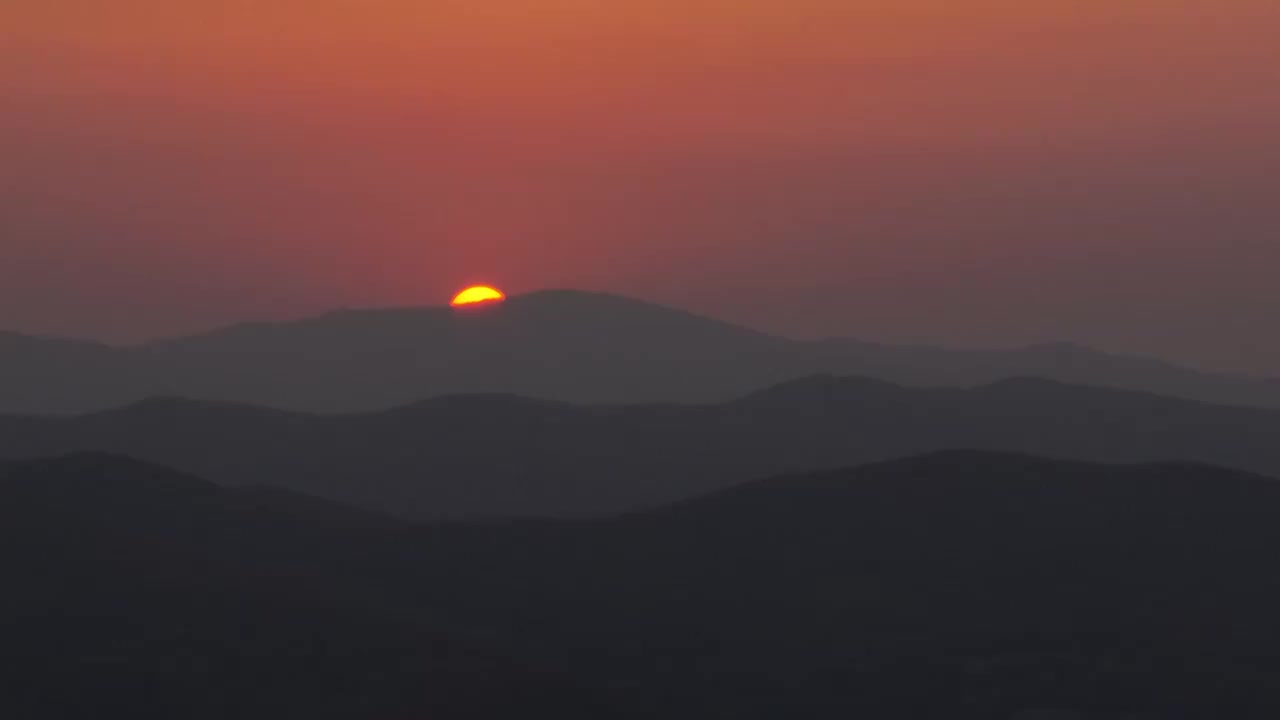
[{"x": 478, "y": 294}]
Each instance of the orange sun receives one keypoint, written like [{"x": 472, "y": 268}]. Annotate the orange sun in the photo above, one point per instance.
[{"x": 478, "y": 294}]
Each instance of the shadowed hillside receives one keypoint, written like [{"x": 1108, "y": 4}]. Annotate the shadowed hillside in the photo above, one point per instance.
[
  {"x": 468, "y": 456},
  {"x": 134, "y": 591},
  {"x": 561, "y": 345},
  {"x": 957, "y": 585},
  {"x": 961, "y": 585}
]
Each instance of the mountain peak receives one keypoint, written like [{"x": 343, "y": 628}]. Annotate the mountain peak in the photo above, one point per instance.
[{"x": 559, "y": 344}]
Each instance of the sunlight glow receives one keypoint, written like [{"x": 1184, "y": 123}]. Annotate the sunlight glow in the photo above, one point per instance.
[{"x": 478, "y": 294}]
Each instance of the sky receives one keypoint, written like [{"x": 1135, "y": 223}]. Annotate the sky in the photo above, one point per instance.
[{"x": 981, "y": 173}]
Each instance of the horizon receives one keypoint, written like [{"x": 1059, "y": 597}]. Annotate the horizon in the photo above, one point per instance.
[
  {"x": 989, "y": 174},
  {"x": 373, "y": 309}
]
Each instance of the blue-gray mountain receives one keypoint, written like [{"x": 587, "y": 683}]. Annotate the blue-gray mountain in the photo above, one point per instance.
[
  {"x": 494, "y": 455},
  {"x": 558, "y": 345}
]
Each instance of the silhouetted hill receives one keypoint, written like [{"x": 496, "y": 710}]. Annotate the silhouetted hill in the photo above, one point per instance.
[
  {"x": 495, "y": 455},
  {"x": 957, "y": 585},
  {"x": 960, "y": 585},
  {"x": 134, "y": 591},
  {"x": 562, "y": 345},
  {"x": 54, "y": 375}
]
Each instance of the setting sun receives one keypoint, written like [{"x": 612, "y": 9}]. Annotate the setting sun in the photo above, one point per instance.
[{"x": 478, "y": 294}]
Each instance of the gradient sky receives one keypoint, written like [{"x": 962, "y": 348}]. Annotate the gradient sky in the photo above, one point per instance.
[{"x": 980, "y": 173}]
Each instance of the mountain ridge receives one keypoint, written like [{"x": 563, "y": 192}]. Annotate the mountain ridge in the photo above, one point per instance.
[
  {"x": 493, "y": 455},
  {"x": 133, "y": 590},
  {"x": 964, "y": 584},
  {"x": 558, "y": 345}
]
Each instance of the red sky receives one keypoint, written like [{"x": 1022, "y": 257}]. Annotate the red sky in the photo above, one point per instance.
[{"x": 971, "y": 173}]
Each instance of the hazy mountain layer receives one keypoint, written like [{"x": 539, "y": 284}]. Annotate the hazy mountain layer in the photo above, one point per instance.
[
  {"x": 559, "y": 345},
  {"x": 471, "y": 456}
]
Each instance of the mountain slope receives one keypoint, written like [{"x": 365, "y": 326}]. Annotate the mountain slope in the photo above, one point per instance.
[
  {"x": 133, "y": 591},
  {"x": 562, "y": 345},
  {"x": 493, "y": 455},
  {"x": 961, "y": 585}
]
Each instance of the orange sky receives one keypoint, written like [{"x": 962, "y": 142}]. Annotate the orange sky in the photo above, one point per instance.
[{"x": 986, "y": 172}]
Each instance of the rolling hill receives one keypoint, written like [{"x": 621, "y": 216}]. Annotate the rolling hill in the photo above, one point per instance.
[
  {"x": 558, "y": 345},
  {"x": 135, "y": 591},
  {"x": 958, "y": 584},
  {"x": 964, "y": 585},
  {"x": 495, "y": 455}
]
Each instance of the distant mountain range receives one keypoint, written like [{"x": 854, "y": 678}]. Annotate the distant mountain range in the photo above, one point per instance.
[
  {"x": 558, "y": 345},
  {"x": 496, "y": 455},
  {"x": 963, "y": 585}
]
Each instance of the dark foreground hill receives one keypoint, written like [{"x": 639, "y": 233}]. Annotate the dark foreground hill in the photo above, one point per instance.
[
  {"x": 561, "y": 345},
  {"x": 957, "y": 585},
  {"x": 478, "y": 456},
  {"x": 961, "y": 585},
  {"x": 131, "y": 591}
]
